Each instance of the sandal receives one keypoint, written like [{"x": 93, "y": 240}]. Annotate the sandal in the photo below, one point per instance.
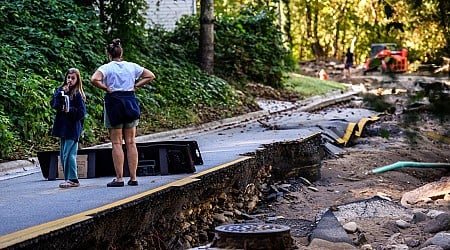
[
  {"x": 69, "y": 184},
  {"x": 115, "y": 183},
  {"x": 132, "y": 183}
]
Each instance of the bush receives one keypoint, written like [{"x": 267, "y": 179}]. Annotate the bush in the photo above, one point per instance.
[
  {"x": 40, "y": 41},
  {"x": 7, "y": 135},
  {"x": 44, "y": 38},
  {"x": 248, "y": 46}
]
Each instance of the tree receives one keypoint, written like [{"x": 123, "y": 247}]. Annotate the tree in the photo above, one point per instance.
[
  {"x": 341, "y": 16},
  {"x": 207, "y": 36},
  {"x": 441, "y": 16},
  {"x": 123, "y": 19}
]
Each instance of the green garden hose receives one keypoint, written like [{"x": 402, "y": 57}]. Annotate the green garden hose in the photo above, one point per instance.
[{"x": 401, "y": 164}]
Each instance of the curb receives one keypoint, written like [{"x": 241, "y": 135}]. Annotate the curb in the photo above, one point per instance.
[
  {"x": 18, "y": 168},
  {"x": 7, "y": 166}
]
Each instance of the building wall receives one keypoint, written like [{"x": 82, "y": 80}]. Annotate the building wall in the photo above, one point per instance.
[{"x": 166, "y": 13}]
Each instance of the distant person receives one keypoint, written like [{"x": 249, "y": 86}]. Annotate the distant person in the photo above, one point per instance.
[
  {"x": 69, "y": 102},
  {"x": 120, "y": 79},
  {"x": 348, "y": 63}
]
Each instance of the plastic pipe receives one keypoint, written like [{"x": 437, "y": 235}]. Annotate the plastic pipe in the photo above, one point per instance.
[{"x": 401, "y": 164}]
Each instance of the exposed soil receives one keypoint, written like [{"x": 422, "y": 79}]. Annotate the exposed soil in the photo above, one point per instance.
[
  {"x": 404, "y": 135},
  {"x": 348, "y": 178}
]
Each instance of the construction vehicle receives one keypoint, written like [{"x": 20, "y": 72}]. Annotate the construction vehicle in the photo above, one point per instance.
[{"x": 387, "y": 58}]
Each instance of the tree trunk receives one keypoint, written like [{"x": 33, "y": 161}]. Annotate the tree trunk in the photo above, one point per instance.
[
  {"x": 316, "y": 47},
  {"x": 207, "y": 36},
  {"x": 311, "y": 29},
  {"x": 444, "y": 7},
  {"x": 288, "y": 26},
  {"x": 338, "y": 28},
  {"x": 102, "y": 16},
  {"x": 308, "y": 20}
]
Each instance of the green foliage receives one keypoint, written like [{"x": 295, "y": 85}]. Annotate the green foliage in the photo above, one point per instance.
[
  {"x": 419, "y": 26},
  {"x": 431, "y": 14},
  {"x": 124, "y": 20},
  {"x": 43, "y": 37},
  {"x": 24, "y": 98},
  {"x": 171, "y": 117},
  {"x": 41, "y": 40},
  {"x": 384, "y": 133},
  {"x": 248, "y": 46},
  {"x": 185, "y": 39},
  {"x": 7, "y": 134}
]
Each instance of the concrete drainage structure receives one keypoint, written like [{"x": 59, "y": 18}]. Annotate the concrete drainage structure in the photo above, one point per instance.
[{"x": 185, "y": 213}]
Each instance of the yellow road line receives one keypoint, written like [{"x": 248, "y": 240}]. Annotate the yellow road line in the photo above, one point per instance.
[
  {"x": 363, "y": 122},
  {"x": 348, "y": 134},
  {"x": 352, "y": 131},
  {"x": 35, "y": 231}
]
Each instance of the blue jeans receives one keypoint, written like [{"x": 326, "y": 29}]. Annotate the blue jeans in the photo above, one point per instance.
[{"x": 68, "y": 155}]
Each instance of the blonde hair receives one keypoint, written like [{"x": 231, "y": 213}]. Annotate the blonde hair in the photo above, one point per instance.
[{"x": 78, "y": 85}]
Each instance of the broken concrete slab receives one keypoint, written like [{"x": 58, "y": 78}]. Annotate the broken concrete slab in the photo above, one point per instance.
[{"x": 429, "y": 191}]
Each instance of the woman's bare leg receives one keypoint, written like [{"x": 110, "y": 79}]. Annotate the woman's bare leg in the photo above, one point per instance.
[
  {"x": 132, "y": 153},
  {"x": 117, "y": 152}
]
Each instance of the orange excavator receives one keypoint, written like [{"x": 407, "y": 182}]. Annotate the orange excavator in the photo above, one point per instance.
[{"x": 387, "y": 58}]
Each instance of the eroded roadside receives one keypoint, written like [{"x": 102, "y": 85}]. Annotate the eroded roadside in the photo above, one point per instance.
[{"x": 415, "y": 208}]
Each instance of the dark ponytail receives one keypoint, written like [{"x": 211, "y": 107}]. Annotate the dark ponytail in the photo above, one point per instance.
[{"x": 115, "y": 48}]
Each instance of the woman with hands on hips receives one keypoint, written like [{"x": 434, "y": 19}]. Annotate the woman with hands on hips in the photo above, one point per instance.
[{"x": 120, "y": 79}]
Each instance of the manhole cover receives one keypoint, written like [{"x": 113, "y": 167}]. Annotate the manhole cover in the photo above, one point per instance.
[
  {"x": 253, "y": 236},
  {"x": 252, "y": 228}
]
